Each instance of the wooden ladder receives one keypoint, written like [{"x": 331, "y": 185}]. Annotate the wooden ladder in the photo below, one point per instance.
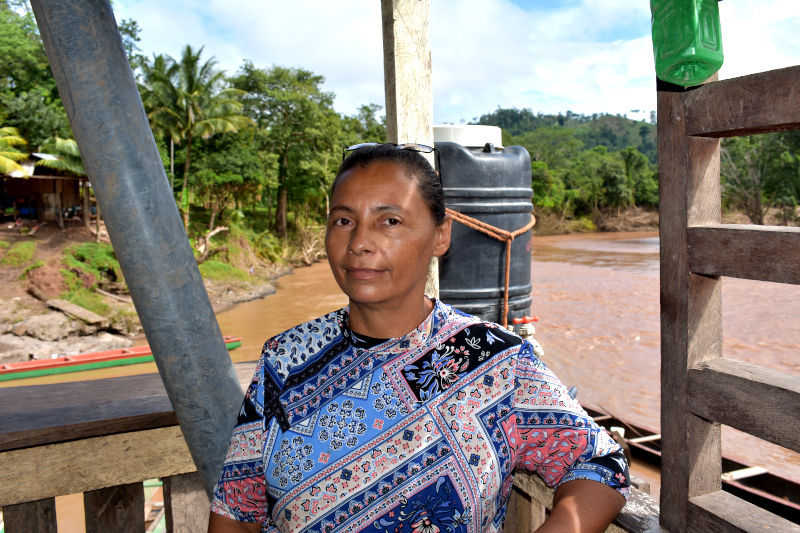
[{"x": 700, "y": 389}]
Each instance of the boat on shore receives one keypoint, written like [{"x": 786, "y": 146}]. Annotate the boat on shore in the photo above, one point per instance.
[
  {"x": 753, "y": 483},
  {"x": 87, "y": 361}
]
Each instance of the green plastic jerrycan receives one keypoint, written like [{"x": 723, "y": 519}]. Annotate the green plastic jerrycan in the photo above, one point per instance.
[{"x": 687, "y": 43}]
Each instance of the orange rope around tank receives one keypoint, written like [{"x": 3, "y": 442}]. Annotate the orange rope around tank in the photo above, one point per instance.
[{"x": 502, "y": 236}]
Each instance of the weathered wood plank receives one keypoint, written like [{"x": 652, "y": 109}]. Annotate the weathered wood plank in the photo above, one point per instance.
[
  {"x": 186, "y": 503},
  {"x": 640, "y": 514},
  {"x": 77, "y": 311},
  {"x": 689, "y": 191},
  {"x": 33, "y": 517},
  {"x": 767, "y": 401},
  {"x": 758, "y": 103},
  {"x": 408, "y": 84},
  {"x": 46, "y": 414},
  {"x": 92, "y": 464},
  {"x": 766, "y": 253},
  {"x": 407, "y": 71},
  {"x": 119, "y": 509},
  {"x": 721, "y": 512},
  {"x": 524, "y": 515}
]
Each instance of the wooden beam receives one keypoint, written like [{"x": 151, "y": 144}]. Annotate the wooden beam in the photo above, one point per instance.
[
  {"x": 766, "y": 253},
  {"x": 524, "y": 515},
  {"x": 407, "y": 71},
  {"x": 36, "y": 415},
  {"x": 722, "y": 512},
  {"x": 186, "y": 503},
  {"x": 408, "y": 85},
  {"x": 691, "y": 327},
  {"x": 33, "y": 517},
  {"x": 758, "y": 103},
  {"x": 90, "y": 464},
  {"x": 119, "y": 509},
  {"x": 767, "y": 402},
  {"x": 77, "y": 311}
]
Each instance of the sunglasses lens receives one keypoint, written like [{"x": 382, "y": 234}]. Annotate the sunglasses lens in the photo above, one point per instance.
[
  {"x": 359, "y": 146},
  {"x": 416, "y": 147}
]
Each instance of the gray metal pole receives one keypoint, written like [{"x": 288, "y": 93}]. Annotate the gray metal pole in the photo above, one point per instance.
[{"x": 105, "y": 111}]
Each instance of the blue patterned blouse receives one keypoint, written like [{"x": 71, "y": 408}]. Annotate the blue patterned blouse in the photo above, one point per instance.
[{"x": 419, "y": 434}]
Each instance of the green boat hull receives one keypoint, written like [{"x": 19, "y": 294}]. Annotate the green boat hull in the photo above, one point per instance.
[{"x": 39, "y": 372}]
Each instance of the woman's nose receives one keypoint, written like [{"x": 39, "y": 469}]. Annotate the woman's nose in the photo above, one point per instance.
[{"x": 360, "y": 240}]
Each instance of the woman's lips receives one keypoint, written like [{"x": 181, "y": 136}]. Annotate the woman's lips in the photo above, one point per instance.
[{"x": 363, "y": 273}]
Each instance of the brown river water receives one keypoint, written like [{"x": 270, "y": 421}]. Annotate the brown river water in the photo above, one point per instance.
[{"x": 597, "y": 296}]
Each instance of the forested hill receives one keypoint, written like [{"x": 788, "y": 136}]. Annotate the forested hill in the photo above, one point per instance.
[{"x": 599, "y": 129}]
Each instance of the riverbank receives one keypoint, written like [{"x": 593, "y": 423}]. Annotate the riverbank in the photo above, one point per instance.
[{"x": 68, "y": 265}]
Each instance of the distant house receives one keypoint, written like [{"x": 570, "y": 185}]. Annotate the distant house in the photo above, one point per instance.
[{"x": 41, "y": 194}]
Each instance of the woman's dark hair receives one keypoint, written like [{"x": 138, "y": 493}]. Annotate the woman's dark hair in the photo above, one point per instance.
[{"x": 415, "y": 165}]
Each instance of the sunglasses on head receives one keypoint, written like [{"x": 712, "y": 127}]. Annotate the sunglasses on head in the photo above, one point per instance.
[{"x": 414, "y": 147}]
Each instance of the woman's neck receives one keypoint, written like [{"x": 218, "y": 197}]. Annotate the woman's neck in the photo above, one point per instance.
[{"x": 388, "y": 321}]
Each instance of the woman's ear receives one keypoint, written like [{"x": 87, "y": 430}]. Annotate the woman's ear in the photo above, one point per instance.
[{"x": 443, "y": 232}]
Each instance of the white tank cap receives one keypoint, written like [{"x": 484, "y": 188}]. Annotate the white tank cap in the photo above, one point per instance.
[{"x": 469, "y": 136}]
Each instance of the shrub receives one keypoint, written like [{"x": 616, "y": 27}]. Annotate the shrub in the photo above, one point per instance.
[{"x": 223, "y": 272}]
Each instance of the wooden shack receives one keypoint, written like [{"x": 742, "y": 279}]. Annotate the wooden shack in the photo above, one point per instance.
[{"x": 39, "y": 194}]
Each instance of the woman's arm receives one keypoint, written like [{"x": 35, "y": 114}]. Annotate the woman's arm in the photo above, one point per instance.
[
  {"x": 222, "y": 524},
  {"x": 583, "y": 506}
]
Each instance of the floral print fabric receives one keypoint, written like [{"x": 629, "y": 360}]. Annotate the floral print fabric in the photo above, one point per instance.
[{"x": 420, "y": 434}]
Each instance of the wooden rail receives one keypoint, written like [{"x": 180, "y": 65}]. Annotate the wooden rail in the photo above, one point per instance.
[
  {"x": 700, "y": 390},
  {"x": 103, "y": 438}
]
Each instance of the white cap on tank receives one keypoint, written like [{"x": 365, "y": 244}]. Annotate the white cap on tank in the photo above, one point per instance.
[{"x": 469, "y": 136}]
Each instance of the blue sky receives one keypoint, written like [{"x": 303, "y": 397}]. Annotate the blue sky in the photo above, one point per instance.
[{"x": 587, "y": 56}]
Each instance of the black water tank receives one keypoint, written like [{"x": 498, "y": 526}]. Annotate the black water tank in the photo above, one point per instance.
[{"x": 493, "y": 186}]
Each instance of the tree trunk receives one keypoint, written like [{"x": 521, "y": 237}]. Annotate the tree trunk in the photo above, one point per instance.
[
  {"x": 305, "y": 215},
  {"x": 185, "y": 191},
  {"x": 214, "y": 212},
  {"x": 280, "y": 214}
]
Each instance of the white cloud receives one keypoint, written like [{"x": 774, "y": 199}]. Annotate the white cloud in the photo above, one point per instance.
[{"x": 485, "y": 52}]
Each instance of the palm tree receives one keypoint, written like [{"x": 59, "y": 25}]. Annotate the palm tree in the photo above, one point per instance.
[
  {"x": 185, "y": 100},
  {"x": 67, "y": 154},
  {"x": 10, "y": 137}
]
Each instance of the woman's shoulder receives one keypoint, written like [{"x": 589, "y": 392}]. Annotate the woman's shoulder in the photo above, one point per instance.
[
  {"x": 469, "y": 325},
  {"x": 296, "y": 345}
]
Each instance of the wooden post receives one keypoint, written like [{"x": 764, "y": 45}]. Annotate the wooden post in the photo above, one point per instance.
[
  {"x": 87, "y": 208},
  {"x": 33, "y": 517},
  {"x": 524, "y": 515},
  {"x": 408, "y": 86},
  {"x": 185, "y": 503},
  {"x": 119, "y": 509},
  {"x": 59, "y": 203},
  {"x": 691, "y": 309}
]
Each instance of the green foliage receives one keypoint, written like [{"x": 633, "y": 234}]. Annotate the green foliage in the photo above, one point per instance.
[
  {"x": 217, "y": 270},
  {"x": 300, "y": 127},
  {"x": 9, "y": 155},
  {"x": 67, "y": 154},
  {"x": 19, "y": 254},
  {"x": 79, "y": 295},
  {"x": 94, "y": 258},
  {"x": 756, "y": 172},
  {"x": 36, "y": 264},
  {"x": 4, "y": 244}
]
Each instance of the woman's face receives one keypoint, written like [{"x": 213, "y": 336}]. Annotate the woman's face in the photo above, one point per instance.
[{"x": 381, "y": 235}]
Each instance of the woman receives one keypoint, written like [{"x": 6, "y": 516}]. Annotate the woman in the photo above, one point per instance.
[{"x": 400, "y": 414}]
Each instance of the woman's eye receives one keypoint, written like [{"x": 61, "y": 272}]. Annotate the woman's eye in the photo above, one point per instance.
[
  {"x": 391, "y": 222},
  {"x": 341, "y": 222}
]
